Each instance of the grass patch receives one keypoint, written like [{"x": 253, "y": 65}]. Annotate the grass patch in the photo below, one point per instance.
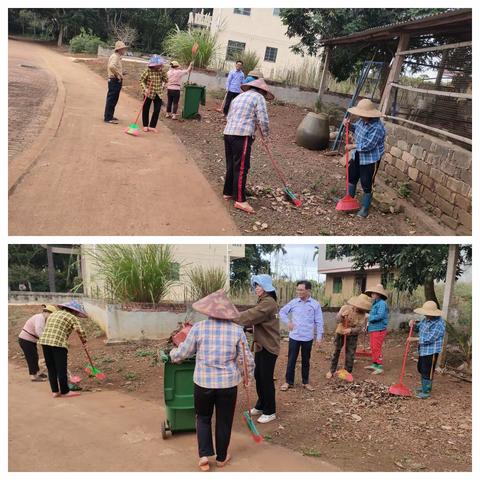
[
  {"x": 311, "y": 452},
  {"x": 130, "y": 376},
  {"x": 144, "y": 353}
]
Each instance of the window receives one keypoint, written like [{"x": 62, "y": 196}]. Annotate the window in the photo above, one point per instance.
[
  {"x": 276, "y": 12},
  {"x": 242, "y": 11},
  {"x": 337, "y": 285},
  {"x": 234, "y": 49},
  {"x": 271, "y": 54},
  {"x": 360, "y": 284}
]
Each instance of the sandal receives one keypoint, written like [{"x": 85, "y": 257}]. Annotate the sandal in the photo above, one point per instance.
[
  {"x": 246, "y": 209},
  {"x": 151, "y": 129},
  {"x": 227, "y": 197},
  {"x": 145, "y": 129},
  {"x": 203, "y": 464},
  {"x": 115, "y": 122},
  {"x": 222, "y": 464},
  {"x": 329, "y": 375},
  {"x": 285, "y": 387},
  {"x": 308, "y": 387}
]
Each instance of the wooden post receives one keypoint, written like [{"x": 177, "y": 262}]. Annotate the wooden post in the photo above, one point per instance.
[
  {"x": 453, "y": 251},
  {"x": 51, "y": 269},
  {"x": 394, "y": 71},
  {"x": 324, "y": 77}
]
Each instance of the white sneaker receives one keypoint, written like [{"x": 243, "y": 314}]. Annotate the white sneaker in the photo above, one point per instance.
[
  {"x": 254, "y": 411},
  {"x": 266, "y": 418}
]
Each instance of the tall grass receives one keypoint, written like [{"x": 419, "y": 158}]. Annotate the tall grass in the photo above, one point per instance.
[
  {"x": 178, "y": 45},
  {"x": 135, "y": 273},
  {"x": 205, "y": 280},
  {"x": 250, "y": 60}
]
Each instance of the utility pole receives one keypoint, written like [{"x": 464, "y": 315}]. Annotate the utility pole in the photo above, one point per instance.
[{"x": 51, "y": 269}]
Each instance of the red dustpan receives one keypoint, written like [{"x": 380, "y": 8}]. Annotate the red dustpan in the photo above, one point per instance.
[
  {"x": 347, "y": 203},
  {"x": 399, "y": 388},
  {"x": 365, "y": 352}
]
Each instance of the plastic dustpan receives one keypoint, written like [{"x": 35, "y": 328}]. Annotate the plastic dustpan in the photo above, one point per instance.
[
  {"x": 347, "y": 203},
  {"x": 400, "y": 389}
]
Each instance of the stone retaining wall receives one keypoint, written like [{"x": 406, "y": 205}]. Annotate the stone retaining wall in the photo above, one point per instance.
[{"x": 438, "y": 173}]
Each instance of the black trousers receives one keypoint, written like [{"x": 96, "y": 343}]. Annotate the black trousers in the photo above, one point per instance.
[
  {"x": 365, "y": 173},
  {"x": 56, "y": 359},
  {"x": 237, "y": 154},
  {"x": 173, "y": 97},
  {"x": 157, "y": 105},
  {"x": 294, "y": 347},
  {"x": 228, "y": 100},
  {"x": 113, "y": 94},
  {"x": 31, "y": 355},
  {"x": 264, "y": 368},
  {"x": 338, "y": 343},
  {"x": 426, "y": 366},
  {"x": 223, "y": 400}
]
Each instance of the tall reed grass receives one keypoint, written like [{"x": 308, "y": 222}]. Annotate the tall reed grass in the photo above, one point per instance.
[{"x": 205, "y": 280}]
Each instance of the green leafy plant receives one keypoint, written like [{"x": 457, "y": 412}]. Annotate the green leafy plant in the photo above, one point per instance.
[
  {"x": 404, "y": 190},
  {"x": 130, "y": 376},
  {"x": 206, "y": 280},
  {"x": 85, "y": 42},
  {"x": 250, "y": 60},
  {"x": 144, "y": 353},
  {"x": 311, "y": 452}
]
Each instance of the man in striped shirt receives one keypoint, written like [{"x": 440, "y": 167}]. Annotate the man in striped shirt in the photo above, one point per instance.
[{"x": 248, "y": 111}]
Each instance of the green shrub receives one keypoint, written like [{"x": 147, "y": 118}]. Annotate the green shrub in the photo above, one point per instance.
[
  {"x": 204, "y": 281},
  {"x": 85, "y": 42},
  {"x": 250, "y": 60}
]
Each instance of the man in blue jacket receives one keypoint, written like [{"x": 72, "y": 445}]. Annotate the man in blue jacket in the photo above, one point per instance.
[{"x": 302, "y": 315}]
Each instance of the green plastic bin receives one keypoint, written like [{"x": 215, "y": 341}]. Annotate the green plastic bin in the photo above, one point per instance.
[
  {"x": 178, "y": 395},
  {"x": 193, "y": 96}
]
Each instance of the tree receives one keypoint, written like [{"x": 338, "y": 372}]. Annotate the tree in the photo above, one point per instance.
[
  {"x": 312, "y": 25},
  {"x": 411, "y": 265}
]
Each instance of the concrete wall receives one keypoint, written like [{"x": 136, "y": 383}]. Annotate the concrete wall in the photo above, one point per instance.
[
  {"x": 38, "y": 298},
  {"x": 439, "y": 174}
]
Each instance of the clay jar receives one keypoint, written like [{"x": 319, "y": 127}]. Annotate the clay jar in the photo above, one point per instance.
[{"x": 313, "y": 132}]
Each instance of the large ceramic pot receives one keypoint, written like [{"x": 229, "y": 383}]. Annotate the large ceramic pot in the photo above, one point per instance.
[{"x": 313, "y": 132}]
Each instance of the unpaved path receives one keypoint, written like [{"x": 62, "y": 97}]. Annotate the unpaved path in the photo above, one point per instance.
[
  {"x": 112, "y": 431},
  {"x": 86, "y": 177}
]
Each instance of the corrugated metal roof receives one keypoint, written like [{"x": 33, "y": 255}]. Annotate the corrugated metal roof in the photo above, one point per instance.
[{"x": 462, "y": 14}]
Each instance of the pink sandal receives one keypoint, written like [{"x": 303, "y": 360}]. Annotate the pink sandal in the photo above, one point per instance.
[{"x": 203, "y": 464}]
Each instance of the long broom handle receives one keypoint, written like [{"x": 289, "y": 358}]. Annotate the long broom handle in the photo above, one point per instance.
[
  {"x": 88, "y": 355},
  {"x": 346, "y": 153},
  {"x": 272, "y": 160},
  {"x": 407, "y": 348},
  {"x": 245, "y": 377}
]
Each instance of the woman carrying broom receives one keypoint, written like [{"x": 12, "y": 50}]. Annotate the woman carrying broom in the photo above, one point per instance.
[
  {"x": 54, "y": 342},
  {"x": 217, "y": 343},
  {"x": 174, "y": 85}
]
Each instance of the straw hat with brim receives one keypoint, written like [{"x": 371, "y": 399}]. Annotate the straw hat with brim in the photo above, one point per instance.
[
  {"x": 261, "y": 85},
  {"x": 264, "y": 280},
  {"x": 120, "y": 46},
  {"x": 365, "y": 108},
  {"x": 363, "y": 302},
  {"x": 255, "y": 73},
  {"x": 217, "y": 305},
  {"x": 75, "y": 308},
  {"x": 174, "y": 64},
  {"x": 50, "y": 308},
  {"x": 378, "y": 289},
  {"x": 429, "y": 309}
]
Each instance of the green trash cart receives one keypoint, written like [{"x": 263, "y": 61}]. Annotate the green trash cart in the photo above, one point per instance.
[
  {"x": 178, "y": 395},
  {"x": 193, "y": 96}
]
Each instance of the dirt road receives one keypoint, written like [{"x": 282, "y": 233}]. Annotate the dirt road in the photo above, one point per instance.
[
  {"x": 84, "y": 177},
  {"x": 112, "y": 431}
]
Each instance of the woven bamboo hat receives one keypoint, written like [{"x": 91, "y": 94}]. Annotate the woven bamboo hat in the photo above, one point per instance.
[
  {"x": 75, "y": 308},
  {"x": 255, "y": 73},
  {"x": 217, "y": 305},
  {"x": 429, "y": 309},
  {"x": 377, "y": 289},
  {"x": 365, "y": 108},
  {"x": 363, "y": 302},
  {"x": 261, "y": 85},
  {"x": 120, "y": 46},
  {"x": 49, "y": 308}
]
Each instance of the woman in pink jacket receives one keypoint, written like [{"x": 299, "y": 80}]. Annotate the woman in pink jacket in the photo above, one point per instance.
[{"x": 174, "y": 85}]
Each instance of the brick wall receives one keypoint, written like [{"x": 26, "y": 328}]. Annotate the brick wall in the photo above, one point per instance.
[{"x": 438, "y": 173}]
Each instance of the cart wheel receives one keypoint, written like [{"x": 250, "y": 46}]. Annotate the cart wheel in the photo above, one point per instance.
[{"x": 164, "y": 431}]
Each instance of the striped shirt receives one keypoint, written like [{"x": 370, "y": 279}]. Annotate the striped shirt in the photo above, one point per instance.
[
  {"x": 305, "y": 316},
  {"x": 369, "y": 139},
  {"x": 431, "y": 333},
  {"x": 247, "y": 111},
  {"x": 234, "y": 80},
  {"x": 154, "y": 82},
  {"x": 219, "y": 356},
  {"x": 58, "y": 328}
]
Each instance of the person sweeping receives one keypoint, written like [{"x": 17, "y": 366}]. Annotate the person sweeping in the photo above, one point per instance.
[
  {"x": 366, "y": 151},
  {"x": 350, "y": 322},
  {"x": 28, "y": 338},
  {"x": 219, "y": 345},
  {"x": 54, "y": 341},
  {"x": 174, "y": 85},
  {"x": 431, "y": 332},
  {"x": 377, "y": 326},
  {"x": 152, "y": 81}
]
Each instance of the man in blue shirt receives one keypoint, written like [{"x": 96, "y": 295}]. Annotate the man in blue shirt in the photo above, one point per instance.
[
  {"x": 301, "y": 315},
  {"x": 235, "y": 78}
]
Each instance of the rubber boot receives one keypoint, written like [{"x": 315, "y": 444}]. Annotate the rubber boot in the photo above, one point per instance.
[
  {"x": 352, "y": 190},
  {"x": 366, "y": 201},
  {"x": 426, "y": 389}
]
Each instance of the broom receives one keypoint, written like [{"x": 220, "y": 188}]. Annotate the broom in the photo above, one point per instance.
[
  {"x": 246, "y": 414},
  {"x": 90, "y": 369},
  {"x": 194, "y": 54},
  {"x": 344, "y": 374},
  {"x": 133, "y": 128}
]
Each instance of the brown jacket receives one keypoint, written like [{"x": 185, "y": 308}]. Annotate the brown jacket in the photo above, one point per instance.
[
  {"x": 348, "y": 317},
  {"x": 266, "y": 325}
]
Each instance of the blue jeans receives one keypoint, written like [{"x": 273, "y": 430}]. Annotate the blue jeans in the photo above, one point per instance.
[{"x": 294, "y": 347}]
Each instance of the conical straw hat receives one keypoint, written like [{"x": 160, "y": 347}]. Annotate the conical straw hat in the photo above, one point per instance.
[
  {"x": 261, "y": 85},
  {"x": 217, "y": 305},
  {"x": 363, "y": 302}
]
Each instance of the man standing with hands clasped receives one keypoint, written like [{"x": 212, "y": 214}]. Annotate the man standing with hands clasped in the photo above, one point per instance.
[{"x": 305, "y": 314}]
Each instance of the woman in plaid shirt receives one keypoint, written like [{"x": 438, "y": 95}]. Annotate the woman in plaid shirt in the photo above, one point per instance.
[
  {"x": 217, "y": 343},
  {"x": 153, "y": 81},
  {"x": 431, "y": 330}
]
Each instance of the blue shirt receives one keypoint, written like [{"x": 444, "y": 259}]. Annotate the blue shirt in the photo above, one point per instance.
[
  {"x": 431, "y": 333},
  {"x": 234, "y": 80},
  {"x": 369, "y": 139},
  {"x": 305, "y": 315},
  {"x": 378, "y": 316}
]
